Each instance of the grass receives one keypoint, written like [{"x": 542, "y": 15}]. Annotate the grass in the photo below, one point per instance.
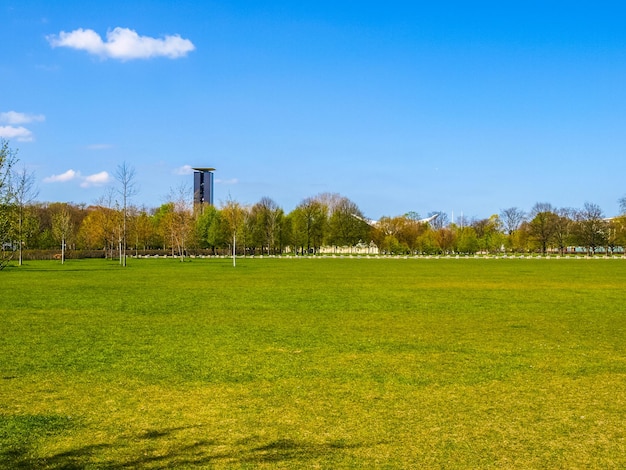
[{"x": 309, "y": 363}]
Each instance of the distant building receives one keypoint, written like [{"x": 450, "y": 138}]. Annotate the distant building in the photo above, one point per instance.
[{"x": 203, "y": 186}]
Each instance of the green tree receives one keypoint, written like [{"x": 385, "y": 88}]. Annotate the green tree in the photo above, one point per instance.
[
  {"x": 209, "y": 229},
  {"x": 62, "y": 227},
  {"x": 180, "y": 220},
  {"x": 110, "y": 220},
  {"x": 24, "y": 194},
  {"x": 8, "y": 158},
  {"x": 264, "y": 225},
  {"x": 426, "y": 243},
  {"x": 466, "y": 240},
  {"x": 309, "y": 224},
  {"x": 618, "y": 230},
  {"x": 145, "y": 230},
  {"x": 489, "y": 234},
  {"x": 344, "y": 229},
  {"x": 445, "y": 239},
  {"x": 233, "y": 216},
  {"x": 542, "y": 225}
]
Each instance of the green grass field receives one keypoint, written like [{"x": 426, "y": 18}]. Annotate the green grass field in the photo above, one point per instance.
[{"x": 314, "y": 363}]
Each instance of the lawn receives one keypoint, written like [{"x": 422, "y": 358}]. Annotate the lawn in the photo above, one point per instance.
[{"x": 314, "y": 363}]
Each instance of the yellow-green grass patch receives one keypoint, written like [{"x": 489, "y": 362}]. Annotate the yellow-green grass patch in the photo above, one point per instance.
[{"x": 294, "y": 363}]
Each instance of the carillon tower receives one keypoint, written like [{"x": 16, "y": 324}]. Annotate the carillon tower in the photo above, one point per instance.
[{"x": 203, "y": 186}]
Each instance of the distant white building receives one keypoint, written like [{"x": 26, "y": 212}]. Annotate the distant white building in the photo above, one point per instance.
[{"x": 358, "y": 249}]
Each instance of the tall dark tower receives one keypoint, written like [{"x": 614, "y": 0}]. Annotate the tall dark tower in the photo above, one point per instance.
[{"x": 203, "y": 186}]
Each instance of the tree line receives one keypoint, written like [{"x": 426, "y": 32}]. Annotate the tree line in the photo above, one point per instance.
[{"x": 113, "y": 227}]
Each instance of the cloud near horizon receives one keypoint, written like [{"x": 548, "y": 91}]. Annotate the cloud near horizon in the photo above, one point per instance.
[
  {"x": 123, "y": 44},
  {"x": 20, "y": 133},
  {"x": 15, "y": 130},
  {"x": 184, "y": 170},
  {"x": 69, "y": 175},
  {"x": 15, "y": 118},
  {"x": 97, "y": 179}
]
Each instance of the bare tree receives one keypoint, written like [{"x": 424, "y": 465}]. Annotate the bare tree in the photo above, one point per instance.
[
  {"x": 622, "y": 204},
  {"x": 125, "y": 176},
  {"x": 512, "y": 219},
  {"x": 591, "y": 228},
  {"x": 563, "y": 225},
  {"x": 439, "y": 222}
]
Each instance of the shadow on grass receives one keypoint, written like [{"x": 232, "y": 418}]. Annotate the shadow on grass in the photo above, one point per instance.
[
  {"x": 19, "y": 449},
  {"x": 288, "y": 449},
  {"x": 19, "y": 435}
]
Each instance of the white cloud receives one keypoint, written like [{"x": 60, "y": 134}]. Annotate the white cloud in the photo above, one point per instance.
[
  {"x": 14, "y": 118},
  {"x": 97, "y": 179},
  {"x": 184, "y": 170},
  {"x": 14, "y": 130},
  {"x": 69, "y": 175},
  {"x": 123, "y": 44},
  {"x": 20, "y": 133}
]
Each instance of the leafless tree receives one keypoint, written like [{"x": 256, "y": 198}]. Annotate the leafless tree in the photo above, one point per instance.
[
  {"x": 125, "y": 176},
  {"x": 622, "y": 204},
  {"x": 439, "y": 222},
  {"x": 591, "y": 227},
  {"x": 563, "y": 227},
  {"x": 512, "y": 218}
]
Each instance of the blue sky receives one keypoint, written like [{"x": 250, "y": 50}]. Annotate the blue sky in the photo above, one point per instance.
[{"x": 471, "y": 107}]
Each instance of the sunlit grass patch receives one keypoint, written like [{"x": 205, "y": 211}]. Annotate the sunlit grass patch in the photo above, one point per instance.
[{"x": 314, "y": 363}]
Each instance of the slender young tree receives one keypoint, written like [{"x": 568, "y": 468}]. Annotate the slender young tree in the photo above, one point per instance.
[
  {"x": 181, "y": 218},
  {"x": 233, "y": 215},
  {"x": 24, "y": 193},
  {"x": 62, "y": 227},
  {"x": 8, "y": 158},
  {"x": 125, "y": 176}
]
